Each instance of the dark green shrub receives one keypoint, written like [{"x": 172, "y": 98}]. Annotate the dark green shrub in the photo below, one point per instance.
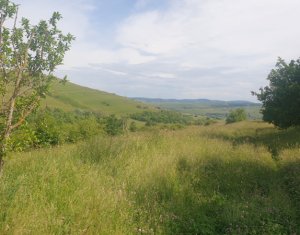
[
  {"x": 114, "y": 126},
  {"x": 163, "y": 116},
  {"x": 133, "y": 127}
]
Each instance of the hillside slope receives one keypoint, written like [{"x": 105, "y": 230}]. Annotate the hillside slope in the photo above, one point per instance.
[{"x": 70, "y": 97}]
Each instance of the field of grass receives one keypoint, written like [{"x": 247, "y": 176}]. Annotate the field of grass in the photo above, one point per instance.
[
  {"x": 70, "y": 97},
  {"x": 240, "y": 178}
]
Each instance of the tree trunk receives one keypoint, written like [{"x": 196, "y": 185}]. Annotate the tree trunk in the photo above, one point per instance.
[
  {"x": 2, "y": 152},
  {"x": 1, "y": 164},
  {"x": 6, "y": 133}
]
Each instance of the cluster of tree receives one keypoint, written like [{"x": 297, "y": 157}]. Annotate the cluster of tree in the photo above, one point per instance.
[{"x": 163, "y": 116}]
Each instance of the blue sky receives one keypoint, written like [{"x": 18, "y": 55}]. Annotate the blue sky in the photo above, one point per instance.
[{"x": 216, "y": 49}]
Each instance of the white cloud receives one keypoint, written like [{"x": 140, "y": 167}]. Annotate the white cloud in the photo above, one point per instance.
[
  {"x": 75, "y": 14},
  {"x": 190, "y": 49},
  {"x": 78, "y": 57},
  {"x": 196, "y": 29},
  {"x": 245, "y": 36}
]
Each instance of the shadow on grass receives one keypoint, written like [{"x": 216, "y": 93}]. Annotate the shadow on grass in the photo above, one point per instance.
[
  {"x": 290, "y": 173},
  {"x": 215, "y": 197},
  {"x": 274, "y": 139}
]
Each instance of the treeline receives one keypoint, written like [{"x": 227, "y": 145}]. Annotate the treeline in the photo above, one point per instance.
[
  {"x": 169, "y": 117},
  {"x": 163, "y": 116}
]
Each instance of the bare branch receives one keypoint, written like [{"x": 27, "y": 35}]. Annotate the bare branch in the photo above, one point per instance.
[{"x": 16, "y": 18}]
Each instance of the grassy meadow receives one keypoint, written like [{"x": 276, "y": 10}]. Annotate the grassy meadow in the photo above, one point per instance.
[{"x": 240, "y": 178}]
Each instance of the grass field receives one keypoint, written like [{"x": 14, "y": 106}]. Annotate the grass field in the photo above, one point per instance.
[{"x": 240, "y": 178}]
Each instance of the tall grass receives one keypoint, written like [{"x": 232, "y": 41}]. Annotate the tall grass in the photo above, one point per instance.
[{"x": 188, "y": 181}]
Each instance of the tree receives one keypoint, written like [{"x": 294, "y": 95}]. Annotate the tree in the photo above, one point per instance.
[
  {"x": 114, "y": 126},
  {"x": 29, "y": 54},
  {"x": 236, "y": 115},
  {"x": 281, "y": 99}
]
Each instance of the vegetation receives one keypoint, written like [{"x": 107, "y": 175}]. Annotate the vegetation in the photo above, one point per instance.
[
  {"x": 213, "y": 109},
  {"x": 236, "y": 115},
  {"x": 29, "y": 55},
  {"x": 162, "y": 116},
  {"x": 281, "y": 99},
  {"x": 136, "y": 169},
  {"x": 217, "y": 179},
  {"x": 51, "y": 127},
  {"x": 114, "y": 126},
  {"x": 54, "y": 127}
]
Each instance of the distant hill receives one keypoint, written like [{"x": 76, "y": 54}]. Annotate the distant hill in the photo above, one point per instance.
[
  {"x": 205, "y": 107},
  {"x": 70, "y": 97},
  {"x": 208, "y": 102}
]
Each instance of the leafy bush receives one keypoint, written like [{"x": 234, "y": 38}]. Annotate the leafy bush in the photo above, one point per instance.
[
  {"x": 23, "y": 139},
  {"x": 163, "y": 116},
  {"x": 51, "y": 127},
  {"x": 236, "y": 115},
  {"x": 114, "y": 126}
]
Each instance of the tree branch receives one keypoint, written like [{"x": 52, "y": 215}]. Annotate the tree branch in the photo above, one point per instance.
[{"x": 25, "y": 114}]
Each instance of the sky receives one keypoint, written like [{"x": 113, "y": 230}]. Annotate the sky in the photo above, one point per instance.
[{"x": 215, "y": 49}]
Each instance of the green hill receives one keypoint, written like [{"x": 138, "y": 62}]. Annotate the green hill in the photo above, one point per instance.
[{"x": 70, "y": 97}]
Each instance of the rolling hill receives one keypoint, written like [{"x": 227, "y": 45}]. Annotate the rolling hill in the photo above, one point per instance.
[{"x": 70, "y": 97}]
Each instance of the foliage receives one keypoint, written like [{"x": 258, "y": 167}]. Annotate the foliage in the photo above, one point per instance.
[
  {"x": 163, "y": 116},
  {"x": 50, "y": 127},
  {"x": 204, "y": 121},
  {"x": 29, "y": 55},
  {"x": 236, "y": 115},
  {"x": 281, "y": 99},
  {"x": 114, "y": 126}
]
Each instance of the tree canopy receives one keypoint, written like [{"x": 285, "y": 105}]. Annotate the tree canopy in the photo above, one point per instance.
[
  {"x": 281, "y": 98},
  {"x": 29, "y": 54}
]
